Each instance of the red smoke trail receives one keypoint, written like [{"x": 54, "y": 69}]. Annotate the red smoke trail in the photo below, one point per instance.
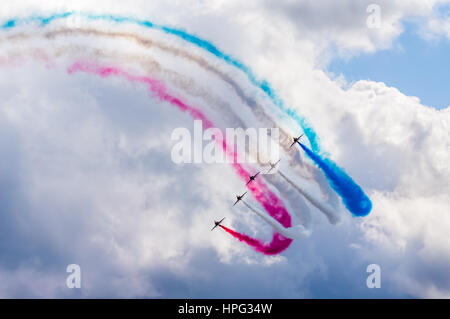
[
  {"x": 249, "y": 240},
  {"x": 265, "y": 248},
  {"x": 273, "y": 205}
]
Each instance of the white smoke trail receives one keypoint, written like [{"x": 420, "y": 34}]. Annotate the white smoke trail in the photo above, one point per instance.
[
  {"x": 333, "y": 218},
  {"x": 294, "y": 232},
  {"x": 298, "y": 205}
]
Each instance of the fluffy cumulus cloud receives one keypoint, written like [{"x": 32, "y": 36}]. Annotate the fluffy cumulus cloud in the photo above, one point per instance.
[
  {"x": 438, "y": 25},
  {"x": 86, "y": 175}
]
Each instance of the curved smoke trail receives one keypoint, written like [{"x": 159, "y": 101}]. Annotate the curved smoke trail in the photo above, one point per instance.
[
  {"x": 178, "y": 80},
  {"x": 294, "y": 232},
  {"x": 335, "y": 175},
  {"x": 209, "y": 47},
  {"x": 352, "y": 195},
  {"x": 192, "y": 39},
  {"x": 254, "y": 106},
  {"x": 260, "y": 191}
]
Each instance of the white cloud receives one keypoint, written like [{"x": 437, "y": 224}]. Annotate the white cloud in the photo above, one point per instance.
[
  {"x": 437, "y": 26},
  {"x": 344, "y": 24},
  {"x": 86, "y": 179}
]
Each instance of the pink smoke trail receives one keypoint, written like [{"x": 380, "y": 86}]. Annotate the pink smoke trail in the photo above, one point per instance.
[
  {"x": 255, "y": 243},
  {"x": 273, "y": 205}
]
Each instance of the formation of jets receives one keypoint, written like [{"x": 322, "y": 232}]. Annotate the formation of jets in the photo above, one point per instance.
[{"x": 252, "y": 178}]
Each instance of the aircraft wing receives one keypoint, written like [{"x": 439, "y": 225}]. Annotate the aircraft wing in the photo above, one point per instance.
[
  {"x": 237, "y": 200},
  {"x": 221, "y": 220},
  {"x": 213, "y": 228},
  {"x": 292, "y": 144}
]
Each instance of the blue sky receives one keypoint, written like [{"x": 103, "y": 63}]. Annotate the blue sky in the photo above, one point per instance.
[{"x": 415, "y": 66}]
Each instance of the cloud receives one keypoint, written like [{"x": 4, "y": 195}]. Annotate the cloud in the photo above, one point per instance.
[
  {"x": 345, "y": 25},
  {"x": 85, "y": 176},
  {"x": 438, "y": 25}
]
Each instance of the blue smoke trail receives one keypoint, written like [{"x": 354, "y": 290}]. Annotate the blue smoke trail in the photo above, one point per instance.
[
  {"x": 354, "y": 198},
  {"x": 42, "y": 20},
  {"x": 201, "y": 43}
]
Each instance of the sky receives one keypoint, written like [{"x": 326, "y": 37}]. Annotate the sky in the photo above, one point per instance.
[
  {"x": 86, "y": 175},
  {"x": 415, "y": 65}
]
